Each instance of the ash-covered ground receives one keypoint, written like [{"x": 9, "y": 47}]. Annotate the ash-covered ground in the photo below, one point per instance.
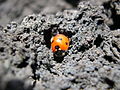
[{"x": 92, "y": 61}]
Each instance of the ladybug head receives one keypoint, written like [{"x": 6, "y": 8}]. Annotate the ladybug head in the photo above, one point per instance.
[{"x": 60, "y": 53}]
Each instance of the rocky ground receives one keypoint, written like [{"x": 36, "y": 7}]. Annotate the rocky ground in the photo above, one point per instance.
[{"x": 92, "y": 61}]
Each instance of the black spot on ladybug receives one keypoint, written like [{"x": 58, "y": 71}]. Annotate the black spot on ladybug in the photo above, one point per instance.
[
  {"x": 60, "y": 38},
  {"x": 57, "y": 47},
  {"x": 66, "y": 43}
]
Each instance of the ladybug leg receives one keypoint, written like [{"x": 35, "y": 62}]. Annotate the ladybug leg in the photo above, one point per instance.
[
  {"x": 69, "y": 39},
  {"x": 69, "y": 42}
]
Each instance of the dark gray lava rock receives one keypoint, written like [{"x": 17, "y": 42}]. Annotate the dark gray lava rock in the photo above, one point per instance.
[
  {"x": 14, "y": 10},
  {"x": 92, "y": 61}
]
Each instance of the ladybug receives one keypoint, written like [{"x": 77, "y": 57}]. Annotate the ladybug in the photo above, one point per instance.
[{"x": 59, "y": 45}]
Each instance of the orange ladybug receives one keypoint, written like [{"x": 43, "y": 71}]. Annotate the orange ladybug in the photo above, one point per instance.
[{"x": 59, "y": 44}]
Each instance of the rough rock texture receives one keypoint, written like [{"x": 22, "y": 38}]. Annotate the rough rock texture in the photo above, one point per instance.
[
  {"x": 92, "y": 61},
  {"x": 14, "y": 10},
  {"x": 112, "y": 8}
]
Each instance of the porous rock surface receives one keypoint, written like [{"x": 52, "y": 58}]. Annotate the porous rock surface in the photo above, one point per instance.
[{"x": 92, "y": 61}]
